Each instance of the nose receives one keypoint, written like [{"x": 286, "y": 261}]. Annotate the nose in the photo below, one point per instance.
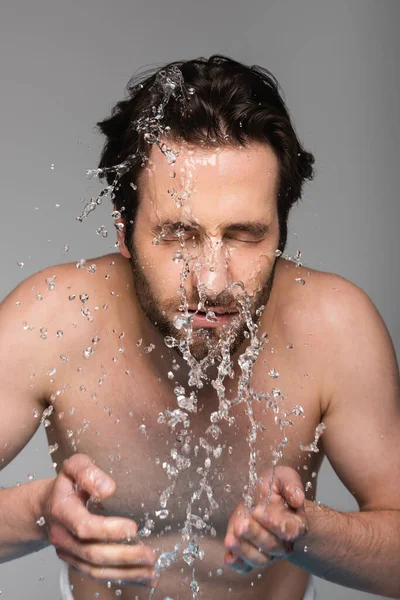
[{"x": 212, "y": 269}]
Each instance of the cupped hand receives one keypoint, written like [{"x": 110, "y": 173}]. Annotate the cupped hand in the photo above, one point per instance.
[
  {"x": 105, "y": 548},
  {"x": 258, "y": 538}
]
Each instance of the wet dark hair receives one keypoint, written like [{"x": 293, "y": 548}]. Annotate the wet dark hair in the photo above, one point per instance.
[{"x": 226, "y": 103}]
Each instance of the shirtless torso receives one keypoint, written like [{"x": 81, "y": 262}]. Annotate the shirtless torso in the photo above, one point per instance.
[{"x": 102, "y": 402}]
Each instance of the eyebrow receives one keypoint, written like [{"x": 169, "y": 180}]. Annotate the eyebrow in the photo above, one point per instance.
[{"x": 256, "y": 228}]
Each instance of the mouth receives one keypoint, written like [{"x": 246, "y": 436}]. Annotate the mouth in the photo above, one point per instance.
[{"x": 214, "y": 316}]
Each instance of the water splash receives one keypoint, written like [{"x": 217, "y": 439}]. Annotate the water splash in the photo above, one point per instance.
[
  {"x": 313, "y": 447},
  {"x": 169, "y": 85}
]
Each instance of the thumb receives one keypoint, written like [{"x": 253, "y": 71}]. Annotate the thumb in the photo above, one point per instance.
[
  {"x": 290, "y": 486},
  {"x": 89, "y": 478}
]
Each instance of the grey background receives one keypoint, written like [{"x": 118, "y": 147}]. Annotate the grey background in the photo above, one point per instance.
[{"x": 64, "y": 64}]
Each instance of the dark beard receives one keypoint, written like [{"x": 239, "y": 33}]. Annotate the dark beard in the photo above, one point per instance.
[{"x": 201, "y": 345}]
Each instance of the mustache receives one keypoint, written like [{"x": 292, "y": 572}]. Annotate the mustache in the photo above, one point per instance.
[{"x": 222, "y": 300}]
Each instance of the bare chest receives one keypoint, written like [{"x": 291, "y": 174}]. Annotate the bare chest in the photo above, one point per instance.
[{"x": 164, "y": 459}]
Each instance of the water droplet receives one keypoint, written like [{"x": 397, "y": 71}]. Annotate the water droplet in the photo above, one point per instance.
[
  {"x": 177, "y": 256},
  {"x": 162, "y": 514},
  {"x": 116, "y": 215},
  {"x": 43, "y": 333},
  {"x": 31, "y": 476},
  {"x": 170, "y": 342},
  {"x": 92, "y": 268},
  {"x": 20, "y": 264},
  {"x": 53, "y": 448},
  {"x": 41, "y": 521},
  {"x": 50, "y": 282},
  {"x": 149, "y": 348},
  {"x": 71, "y": 297},
  {"x": 64, "y": 358},
  {"x": 81, "y": 263},
  {"x": 278, "y": 253},
  {"x": 211, "y": 317},
  {"x": 300, "y": 281},
  {"x": 102, "y": 231},
  {"x": 88, "y": 352},
  {"x": 182, "y": 321},
  {"x": 273, "y": 373},
  {"x": 142, "y": 428}
]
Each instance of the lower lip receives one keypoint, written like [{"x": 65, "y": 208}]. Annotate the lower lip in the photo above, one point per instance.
[{"x": 200, "y": 320}]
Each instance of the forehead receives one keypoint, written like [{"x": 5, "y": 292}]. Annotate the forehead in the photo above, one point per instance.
[{"x": 209, "y": 180}]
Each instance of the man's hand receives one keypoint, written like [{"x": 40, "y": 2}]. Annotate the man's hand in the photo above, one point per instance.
[
  {"x": 96, "y": 545},
  {"x": 258, "y": 539}
]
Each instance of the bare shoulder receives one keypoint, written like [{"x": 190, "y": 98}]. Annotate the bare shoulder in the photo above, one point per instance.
[
  {"x": 54, "y": 308},
  {"x": 311, "y": 289},
  {"x": 52, "y": 291},
  {"x": 325, "y": 299},
  {"x": 345, "y": 330}
]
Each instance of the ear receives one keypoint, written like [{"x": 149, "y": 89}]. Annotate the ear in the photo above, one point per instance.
[{"x": 121, "y": 239}]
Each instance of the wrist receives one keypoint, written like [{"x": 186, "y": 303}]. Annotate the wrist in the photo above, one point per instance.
[{"x": 39, "y": 496}]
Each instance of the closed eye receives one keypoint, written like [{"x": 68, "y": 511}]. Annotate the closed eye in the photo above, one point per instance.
[{"x": 237, "y": 238}]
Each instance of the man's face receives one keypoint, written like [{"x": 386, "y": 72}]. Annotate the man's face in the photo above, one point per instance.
[{"x": 214, "y": 210}]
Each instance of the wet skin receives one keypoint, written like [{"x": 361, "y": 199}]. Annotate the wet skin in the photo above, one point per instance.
[{"x": 102, "y": 401}]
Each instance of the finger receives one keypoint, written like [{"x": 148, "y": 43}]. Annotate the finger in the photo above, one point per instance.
[
  {"x": 264, "y": 541},
  {"x": 104, "y": 554},
  {"x": 237, "y": 564},
  {"x": 248, "y": 559},
  {"x": 290, "y": 486},
  {"x": 249, "y": 554},
  {"x": 282, "y": 523},
  {"x": 81, "y": 469},
  {"x": 241, "y": 512},
  {"x": 72, "y": 514},
  {"x": 139, "y": 575}
]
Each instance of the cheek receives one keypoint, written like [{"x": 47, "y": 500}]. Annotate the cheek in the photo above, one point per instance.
[
  {"x": 161, "y": 270},
  {"x": 252, "y": 268}
]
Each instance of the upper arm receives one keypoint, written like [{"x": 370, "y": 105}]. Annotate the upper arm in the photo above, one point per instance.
[
  {"x": 22, "y": 357},
  {"x": 362, "y": 439}
]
